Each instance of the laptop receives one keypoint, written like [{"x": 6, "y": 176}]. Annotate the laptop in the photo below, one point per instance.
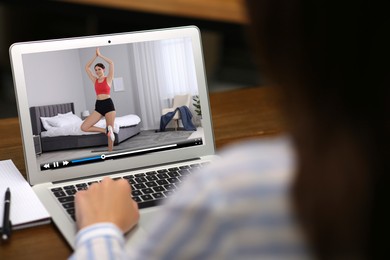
[{"x": 54, "y": 95}]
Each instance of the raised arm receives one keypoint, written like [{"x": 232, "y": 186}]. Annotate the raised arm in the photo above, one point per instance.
[
  {"x": 110, "y": 74},
  {"x": 88, "y": 68}
]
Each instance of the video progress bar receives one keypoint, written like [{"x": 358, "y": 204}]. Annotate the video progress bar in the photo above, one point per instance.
[{"x": 102, "y": 157}]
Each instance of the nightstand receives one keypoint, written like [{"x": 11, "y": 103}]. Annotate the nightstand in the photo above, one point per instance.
[{"x": 37, "y": 144}]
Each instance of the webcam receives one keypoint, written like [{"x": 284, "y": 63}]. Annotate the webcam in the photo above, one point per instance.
[{"x": 109, "y": 41}]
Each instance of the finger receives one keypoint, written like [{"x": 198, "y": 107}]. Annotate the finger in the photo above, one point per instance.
[
  {"x": 79, "y": 194},
  {"x": 94, "y": 185},
  {"x": 124, "y": 184},
  {"x": 106, "y": 180},
  {"x": 79, "y": 207},
  {"x": 135, "y": 204}
]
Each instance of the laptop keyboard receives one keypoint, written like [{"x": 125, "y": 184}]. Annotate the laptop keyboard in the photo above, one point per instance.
[{"x": 148, "y": 188}]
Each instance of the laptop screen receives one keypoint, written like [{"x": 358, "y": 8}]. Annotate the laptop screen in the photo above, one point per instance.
[{"x": 158, "y": 102}]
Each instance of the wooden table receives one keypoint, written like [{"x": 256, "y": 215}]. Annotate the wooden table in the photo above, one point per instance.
[
  {"x": 232, "y": 11},
  {"x": 237, "y": 115}
]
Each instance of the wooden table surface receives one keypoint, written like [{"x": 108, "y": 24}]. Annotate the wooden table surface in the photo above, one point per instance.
[
  {"x": 232, "y": 11},
  {"x": 237, "y": 115}
]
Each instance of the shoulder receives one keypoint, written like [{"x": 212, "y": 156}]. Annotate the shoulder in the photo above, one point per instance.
[
  {"x": 266, "y": 160},
  {"x": 108, "y": 80},
  {"x": 276, "y": 151},
  {"x": 246, "y": 170}
]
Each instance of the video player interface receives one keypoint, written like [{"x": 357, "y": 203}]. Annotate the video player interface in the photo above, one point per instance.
[{"x": 147, "y": 82}]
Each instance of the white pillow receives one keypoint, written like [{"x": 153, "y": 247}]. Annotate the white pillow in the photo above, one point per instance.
[
  {"x": 60, "y": 120},
  {"x": 46, "y": 123},
  {"x": 72, "y": 118},
  {"x": 65, "y": 119},
  {"x": 66, "y": 114}
]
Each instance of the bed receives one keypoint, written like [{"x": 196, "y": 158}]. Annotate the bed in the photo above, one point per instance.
[{"x": 72, "y": 140}]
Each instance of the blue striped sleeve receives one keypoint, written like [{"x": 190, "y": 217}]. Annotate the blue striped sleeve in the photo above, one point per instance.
[{"x": 99, "y": 241}]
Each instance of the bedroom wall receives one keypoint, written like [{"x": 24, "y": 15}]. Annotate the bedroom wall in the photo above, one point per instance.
[
  {"x": 123, "y": 100},
  {"x": 54, "y": 77}
]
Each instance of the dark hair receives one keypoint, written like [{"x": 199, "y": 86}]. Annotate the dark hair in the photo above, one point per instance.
[
  {"x": 331, "y": 61},
  {"x": 101, "y": 65}
]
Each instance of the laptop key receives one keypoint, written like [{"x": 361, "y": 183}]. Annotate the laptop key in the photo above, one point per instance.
[
  {"x": 158, "y": 189},
  {"x": 173, "y": 174},
  {"x": 146, "y": 197},
  {"x": 131, "y": 181},
  {"x": 170, "y": 186},
  {"x": 140, "y": 179},
  {"x": 139, "y": 186},
  {"x": 71, "y": 211},
  {"x": 162, "y": 176},
  {"x": 147, "y": 191},
  {"x": 151, "y": 184},
  {"x": 66, "y": 199},
  {"x": 59, "y": 194},
  {"x": 71, "y": 192},
  {"x": 68, "y": 205},
  {"x": 173, "y": 180},
  {"x": 152, "y": 178},
  {"x": 162, "y": 182},
  {"x": 56, "y": 189},
  {"x": 137, "y": 199},
  {"x": 158, "y": 195},
  {"x": 69, "y": 187},
  {"x": 136, "y": 193}
]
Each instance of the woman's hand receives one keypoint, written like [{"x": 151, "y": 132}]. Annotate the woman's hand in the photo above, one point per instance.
[
  {"x": 98, "y": 52},
  {"x": 108, "y": 201}
]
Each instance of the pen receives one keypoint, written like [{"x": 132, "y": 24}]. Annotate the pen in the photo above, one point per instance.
[{"x": 6, "y": 222}]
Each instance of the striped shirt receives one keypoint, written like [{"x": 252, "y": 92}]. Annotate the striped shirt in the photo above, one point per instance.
[{"x": 236, "y": 208}]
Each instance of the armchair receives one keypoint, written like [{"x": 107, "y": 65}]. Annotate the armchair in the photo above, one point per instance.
[{"x": 178, "y": 101}]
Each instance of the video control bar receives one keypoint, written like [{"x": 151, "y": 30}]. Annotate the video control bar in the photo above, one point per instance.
[{"x": 118, "y": 155}]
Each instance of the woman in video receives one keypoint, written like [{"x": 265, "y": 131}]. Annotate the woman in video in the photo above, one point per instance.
[{"x": 104, "y": 105}]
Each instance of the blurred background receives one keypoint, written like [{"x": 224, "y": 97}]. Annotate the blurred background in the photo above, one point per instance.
[{"x": 228, "y": 60}]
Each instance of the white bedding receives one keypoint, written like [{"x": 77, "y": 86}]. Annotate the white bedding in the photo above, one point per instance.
[{"x": 72, "y": 127}]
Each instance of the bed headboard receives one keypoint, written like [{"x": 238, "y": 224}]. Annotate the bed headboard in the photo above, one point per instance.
[{"x": 47, "y": 111}]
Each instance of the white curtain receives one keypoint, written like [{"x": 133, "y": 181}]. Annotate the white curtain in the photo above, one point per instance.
[{"x": 163, "y": 69}]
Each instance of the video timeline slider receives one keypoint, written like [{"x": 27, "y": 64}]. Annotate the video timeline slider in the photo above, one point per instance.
[{"x": 117, "y": 155}]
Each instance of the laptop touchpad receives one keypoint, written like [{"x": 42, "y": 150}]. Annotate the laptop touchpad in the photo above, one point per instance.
[{"x": 140, "y": 232}]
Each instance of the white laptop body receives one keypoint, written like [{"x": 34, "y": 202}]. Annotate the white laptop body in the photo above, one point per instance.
[{"x": 151, "y": 67}]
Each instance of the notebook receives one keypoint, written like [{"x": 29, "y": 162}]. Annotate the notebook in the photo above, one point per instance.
[
  {"x": 55, "y": 94},
  {"x": 26, "y": 209}
]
